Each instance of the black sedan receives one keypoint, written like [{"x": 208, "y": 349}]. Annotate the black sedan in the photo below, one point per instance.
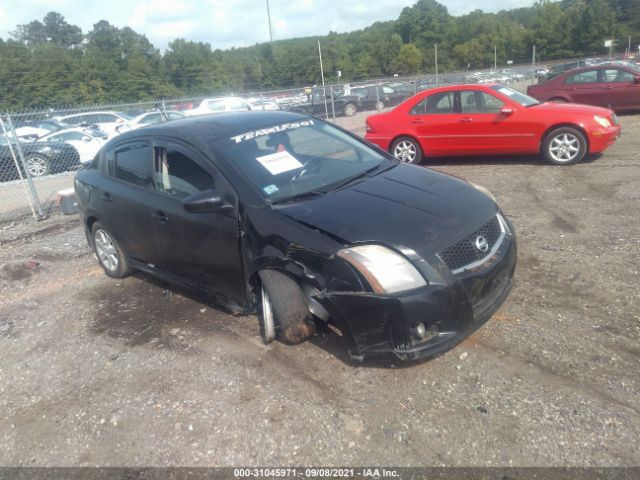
[
  {"x": 41, "y": 158},
  {"x": 305, "y": 223}
]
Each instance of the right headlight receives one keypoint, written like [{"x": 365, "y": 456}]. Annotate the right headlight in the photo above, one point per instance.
[{"x": 386, "y": 271}]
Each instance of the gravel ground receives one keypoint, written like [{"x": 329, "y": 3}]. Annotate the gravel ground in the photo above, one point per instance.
[{"x": 95, "y": 371}]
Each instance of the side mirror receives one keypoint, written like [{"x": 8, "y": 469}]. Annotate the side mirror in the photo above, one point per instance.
[
  {"x": 206, "y": 201},
  {"x": 506, "y": 111}
]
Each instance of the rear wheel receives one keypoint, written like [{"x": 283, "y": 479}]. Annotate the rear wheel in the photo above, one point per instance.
[
  {"x": 110, "y": 256},
  {"x": 564, "y": 146},
  {"x": 407, "y": 150},
  {"x": 283, "y": 313},
  {"x": 37, "y": 166},
  {"x": 350, "y": 110}
]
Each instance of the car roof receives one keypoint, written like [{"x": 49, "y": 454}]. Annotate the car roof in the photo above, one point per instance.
[{"x": 204, "y": 128}]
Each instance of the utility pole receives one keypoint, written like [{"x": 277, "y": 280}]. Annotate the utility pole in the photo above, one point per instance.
[
  {"x": 269, "y": 19},
  {"x": 437, "y": 82},
  {"x": 533, "y": 58},
  {"x": 324, "y": 90},
  {"x": 495, "y": 58}
]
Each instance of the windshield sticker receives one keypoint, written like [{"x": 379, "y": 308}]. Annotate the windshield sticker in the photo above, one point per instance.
[
  {"x": 279, "y": 162},
  {"x": 266, "y": 131},
  {"x": 270, "y": 189},
  {"x": 506, "y": 91}
]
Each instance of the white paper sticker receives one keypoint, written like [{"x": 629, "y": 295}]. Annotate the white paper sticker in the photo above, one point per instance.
[
  {"x": 279, "y": 162},
  {"x": 506, "y": 91}
]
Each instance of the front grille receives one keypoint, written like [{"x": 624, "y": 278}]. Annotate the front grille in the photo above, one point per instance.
[{"x": 465, "y": 252}]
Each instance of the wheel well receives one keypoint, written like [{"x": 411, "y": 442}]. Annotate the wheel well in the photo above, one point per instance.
[
  {"x": 561, "y": 125},
  {"x": 411, "y": 137},
  {"x": 90, "y": 221}
]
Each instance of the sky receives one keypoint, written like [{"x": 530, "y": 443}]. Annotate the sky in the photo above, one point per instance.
[{"x": 227, "y": 23}]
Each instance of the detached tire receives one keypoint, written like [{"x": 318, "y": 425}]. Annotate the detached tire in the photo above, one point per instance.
[
  {"x": 110, "y": 256},
  {"x": 564, "y": 146},
  {"x": 407, "y": 150},
  {"x": 283, "y": 313}
]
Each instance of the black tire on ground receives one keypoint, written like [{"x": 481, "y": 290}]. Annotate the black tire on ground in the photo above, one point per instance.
[
  {"x": 293, "y": 320},
  {"x": 564, "y": 146},
  {"x": 110, "y": 256},
  {"x": 350, "y": 109},
  {"x": 407, "y": 150},
  {"x": 37, "y": 165}
]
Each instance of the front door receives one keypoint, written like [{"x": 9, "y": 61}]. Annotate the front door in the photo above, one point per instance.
[
  {"x": 621, "y": 91},
  {"x": 202, "y": 248}
]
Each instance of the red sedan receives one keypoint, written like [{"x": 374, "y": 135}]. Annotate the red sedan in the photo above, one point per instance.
[
  {"x": 610, "y": 85},
  {"x": 491, "y": 120}
]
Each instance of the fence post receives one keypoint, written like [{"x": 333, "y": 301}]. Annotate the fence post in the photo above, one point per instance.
[
  {"x": 378, "y": 96},
  {"x": 163, "y": 111},
  {"x": 333, "y": 105},
  {"x": 32, "y": 189}
]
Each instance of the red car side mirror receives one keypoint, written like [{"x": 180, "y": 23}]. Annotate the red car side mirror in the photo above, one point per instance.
[{"x": 506, "y": 110}]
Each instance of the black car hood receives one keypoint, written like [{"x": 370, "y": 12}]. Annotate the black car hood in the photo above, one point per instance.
[{"x": 404, "y": 207}]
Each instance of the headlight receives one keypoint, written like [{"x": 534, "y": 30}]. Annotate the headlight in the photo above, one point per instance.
[
  {"x": 603, "y": 122},
  {"x": 484, "y": 190},
  {"x": 385, "y": 270}
]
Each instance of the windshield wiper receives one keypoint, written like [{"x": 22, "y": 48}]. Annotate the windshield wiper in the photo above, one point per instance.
[
  {"x": 366, "y": 173},
  {"x": 298, "y": 196}
]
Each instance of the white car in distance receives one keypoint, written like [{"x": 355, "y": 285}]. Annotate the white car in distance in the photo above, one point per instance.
[
  {"x": 87, "y": 141},
  {"x": 108, "y": 122},
  {"x": 219, "y": 105}
]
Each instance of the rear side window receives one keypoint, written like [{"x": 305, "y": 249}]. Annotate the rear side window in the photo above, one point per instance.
[
  {"x": 439, "y": 103},
  {"x": 133, "y": 164},
  {"x": 588, "y": 76}
]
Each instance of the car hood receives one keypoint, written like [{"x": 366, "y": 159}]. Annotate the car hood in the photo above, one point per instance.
[
  {"x": 573, "y": 108},
  {"x": 404, "y": 207}
]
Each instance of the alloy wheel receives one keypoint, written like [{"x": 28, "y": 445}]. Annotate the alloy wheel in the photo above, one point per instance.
[
  {"x": 267, "y": 317},
  {"x": 405, "y": 151},
  {"x": 106, "y": 250},
  {"x": 564, "y": 147},
  {"x": 36, "y": 166}
]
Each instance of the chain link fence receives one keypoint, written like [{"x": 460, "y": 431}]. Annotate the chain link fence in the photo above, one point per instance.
[{"x": 40, "y": 151}]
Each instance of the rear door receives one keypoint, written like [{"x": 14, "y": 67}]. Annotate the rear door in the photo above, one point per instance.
[
  {"x": 585, "y": 87},
  {"x": 621, "y": 91},
  {"x": 201, "y": 248},
  {"x": 126, "y": 199},
  {"x": 438, "y": 124}
]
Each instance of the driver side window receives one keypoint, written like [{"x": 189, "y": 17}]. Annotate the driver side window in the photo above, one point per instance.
[{"x": 178, "y": 175}]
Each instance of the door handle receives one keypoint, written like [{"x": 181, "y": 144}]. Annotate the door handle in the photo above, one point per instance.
[
  {"x": 160, "y": 216},
  {"x": 466, "y": 120},
  {"x": 417, "y": 121},
  {"x": 106, "y": 196}
]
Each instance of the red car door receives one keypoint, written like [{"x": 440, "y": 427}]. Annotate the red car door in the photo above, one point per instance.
[
  {"x": 496, "y": 126},
  {"x": 437, "y": 124},
  {"x": 621, "y": 90},
  {"x": 585, "y": 87}
]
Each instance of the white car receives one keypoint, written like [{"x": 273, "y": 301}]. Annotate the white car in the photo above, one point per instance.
[
  {"x": 108, "y": 122},
  {"x": 149, "y": 118},
  {"x": 219, "y": 105},
  {"x": 33, "y": 129},
  {"x": 262, "y": 104},
  {"x": 87, "y": 141}
]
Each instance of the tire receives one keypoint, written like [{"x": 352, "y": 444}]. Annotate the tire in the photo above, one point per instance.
[
  {"x": 37, "y": 165},
  {"x": 407, "y": 150},
  {"x": 110, "y": 256},
  {"x": 283, "y": 304},
  {"x": 350, "y": 110},
  {"x": 564, "y": 146}
]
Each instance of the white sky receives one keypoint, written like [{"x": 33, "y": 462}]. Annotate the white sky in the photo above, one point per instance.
[{"x": 226, "y": 23}]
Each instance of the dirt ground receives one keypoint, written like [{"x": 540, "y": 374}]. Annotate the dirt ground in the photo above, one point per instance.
[{"x": 95, "y": 371}]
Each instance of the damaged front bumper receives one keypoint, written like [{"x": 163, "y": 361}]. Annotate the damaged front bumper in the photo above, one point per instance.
[{"x": 374, "y": 324}]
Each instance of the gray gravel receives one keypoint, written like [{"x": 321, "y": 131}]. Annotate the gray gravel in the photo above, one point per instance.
[{"x": 95, "y": 371}]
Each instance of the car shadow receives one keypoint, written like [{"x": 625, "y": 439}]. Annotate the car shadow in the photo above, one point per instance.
[{"x": 498, "y": 160}]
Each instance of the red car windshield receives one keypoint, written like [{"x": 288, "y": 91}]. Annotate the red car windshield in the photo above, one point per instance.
[{"x": 516, "y": 96}]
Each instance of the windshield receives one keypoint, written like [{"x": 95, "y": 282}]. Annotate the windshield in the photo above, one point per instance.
[
  {"x": 300, "y": 159},
  {"x": 516, "y": 96}
]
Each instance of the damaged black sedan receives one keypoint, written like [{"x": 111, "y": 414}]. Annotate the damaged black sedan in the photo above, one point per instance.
[{"x": 304, "y": 223}]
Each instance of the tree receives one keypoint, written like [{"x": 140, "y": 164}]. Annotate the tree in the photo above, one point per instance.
[{"x": 408, "y": 61}]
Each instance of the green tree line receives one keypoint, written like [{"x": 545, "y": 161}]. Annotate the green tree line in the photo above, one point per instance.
[{"x": 53, "y": 63}]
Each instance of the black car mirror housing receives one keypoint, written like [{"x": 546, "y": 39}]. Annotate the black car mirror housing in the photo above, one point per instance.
[{"x": 206, "y": 201}]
